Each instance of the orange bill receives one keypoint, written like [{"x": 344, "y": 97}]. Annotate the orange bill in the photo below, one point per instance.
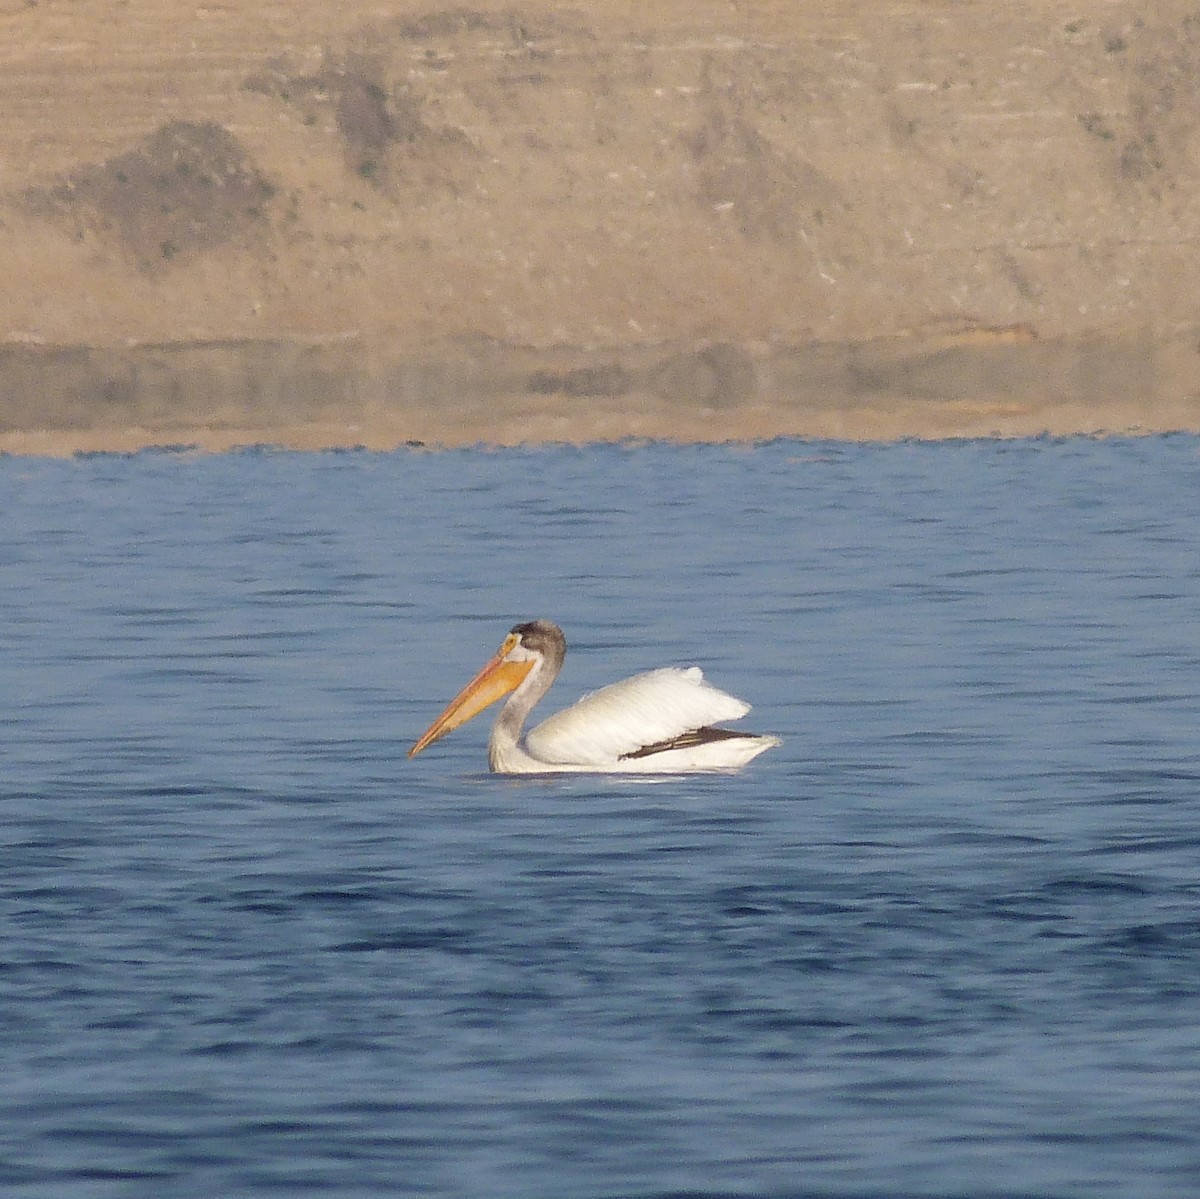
[{"x": 496, "y": 680}]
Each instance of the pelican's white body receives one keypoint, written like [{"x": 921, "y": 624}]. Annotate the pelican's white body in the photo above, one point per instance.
[{"x": 622, "y": 718}]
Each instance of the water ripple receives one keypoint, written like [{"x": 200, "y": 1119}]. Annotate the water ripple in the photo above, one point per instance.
[{"x": 943, "y": 941}]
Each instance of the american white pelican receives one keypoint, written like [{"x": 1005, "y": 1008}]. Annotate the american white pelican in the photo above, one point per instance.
[{"x": 660, "y": 722}]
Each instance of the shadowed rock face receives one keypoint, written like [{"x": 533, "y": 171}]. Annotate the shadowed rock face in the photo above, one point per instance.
[
  {"x": 187, "y": 188},
  {"x": 387, "y": 137}
]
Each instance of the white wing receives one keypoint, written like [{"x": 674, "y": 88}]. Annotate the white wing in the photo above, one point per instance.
[{"x": 627, "y": 716}]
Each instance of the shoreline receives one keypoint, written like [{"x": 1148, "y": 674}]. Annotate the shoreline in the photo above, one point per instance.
[
  {"x": 54, "y": 444},
  {"x": 340, "y": 393}
]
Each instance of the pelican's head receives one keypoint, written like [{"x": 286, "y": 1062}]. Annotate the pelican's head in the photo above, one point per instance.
[{"x": 527, "y": 647}]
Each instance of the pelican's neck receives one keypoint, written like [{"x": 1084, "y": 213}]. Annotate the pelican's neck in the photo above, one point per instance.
[{"x": 506, "y": 755}]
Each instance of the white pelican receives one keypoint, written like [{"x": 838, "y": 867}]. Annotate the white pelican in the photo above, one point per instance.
[{"x": 660, "y": 722}]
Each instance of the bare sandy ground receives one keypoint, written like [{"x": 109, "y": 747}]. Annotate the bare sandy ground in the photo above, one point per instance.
[{"x": 312, "y": 224}]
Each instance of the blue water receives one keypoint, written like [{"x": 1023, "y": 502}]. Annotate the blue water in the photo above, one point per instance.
[{"x": 945, "y": 941}]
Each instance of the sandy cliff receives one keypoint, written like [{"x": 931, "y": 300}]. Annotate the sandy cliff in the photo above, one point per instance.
[{"x": 373, "y": 223}]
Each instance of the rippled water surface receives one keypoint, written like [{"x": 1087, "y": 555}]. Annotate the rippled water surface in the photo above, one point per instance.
[{"x": 944, "y": 941}]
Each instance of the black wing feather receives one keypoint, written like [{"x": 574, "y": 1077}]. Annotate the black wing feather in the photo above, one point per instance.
[{"x": 688, "y": 740}]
